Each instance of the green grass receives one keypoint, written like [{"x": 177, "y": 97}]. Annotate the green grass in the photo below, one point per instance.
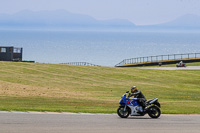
[
  {"x": 54, "y": 105},
  {"x": 65, "y": 88}
]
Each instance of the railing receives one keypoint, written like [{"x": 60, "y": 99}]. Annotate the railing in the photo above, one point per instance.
[
  {"x": 158, "y": 58},
  {"x": 80, "y": 63}
]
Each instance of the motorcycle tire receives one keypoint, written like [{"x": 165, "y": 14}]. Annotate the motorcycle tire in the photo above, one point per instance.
[
  {"x": 154, "y": 112},
  {"x": 122, "y": 113}
]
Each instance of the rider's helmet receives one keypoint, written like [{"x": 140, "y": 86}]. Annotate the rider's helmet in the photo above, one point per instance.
[{"x": 133, "y": 89}]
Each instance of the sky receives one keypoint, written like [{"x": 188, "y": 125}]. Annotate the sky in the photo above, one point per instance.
[{"x": 140, "y": 12}]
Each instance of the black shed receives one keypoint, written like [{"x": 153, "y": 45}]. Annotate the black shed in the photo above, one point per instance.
[{"x": 10, "y": 53}]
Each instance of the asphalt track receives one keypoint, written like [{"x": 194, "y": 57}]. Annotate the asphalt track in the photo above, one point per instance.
[
  {"x": 95, "y": 123},
  {"x": 173, "y": 68}
]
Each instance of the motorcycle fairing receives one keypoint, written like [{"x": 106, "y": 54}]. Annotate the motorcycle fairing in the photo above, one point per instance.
[
  {"x": 154, "y": 101},
  {"x": 131, "y": 103},
  {"x": 133, "y": 110}
]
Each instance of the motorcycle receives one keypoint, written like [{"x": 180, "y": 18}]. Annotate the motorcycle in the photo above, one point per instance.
[
  {"x": 180, "y": 64},
  {"x": 131, "y": 107}
]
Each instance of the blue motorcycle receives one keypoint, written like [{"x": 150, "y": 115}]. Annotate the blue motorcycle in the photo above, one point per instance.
[{"x": 131, "y": 107}]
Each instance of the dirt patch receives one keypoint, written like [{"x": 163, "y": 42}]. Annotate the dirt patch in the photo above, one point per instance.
[
  {"x": 15, "y": 89},
  {"x": 20, "y": 90}
]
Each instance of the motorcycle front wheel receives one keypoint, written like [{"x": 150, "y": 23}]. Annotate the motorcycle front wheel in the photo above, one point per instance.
[
  {"x": 154, "y": 112},
  {"x": 122, "y": 113}
]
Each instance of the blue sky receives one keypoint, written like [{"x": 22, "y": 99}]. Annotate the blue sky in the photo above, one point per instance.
[{"x": 140, "y": 12}]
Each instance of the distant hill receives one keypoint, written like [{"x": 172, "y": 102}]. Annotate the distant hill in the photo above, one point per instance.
[
  {"x": 58, "y": 19},
  {"x": 188, "y": 20},
  {"x": 61, "y": 19}
]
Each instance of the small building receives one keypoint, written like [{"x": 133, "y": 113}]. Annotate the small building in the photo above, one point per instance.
[{"x": 10, "y": 53}]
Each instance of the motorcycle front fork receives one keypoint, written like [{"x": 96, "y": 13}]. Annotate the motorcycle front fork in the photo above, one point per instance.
[{"x": 125, "y": 108}]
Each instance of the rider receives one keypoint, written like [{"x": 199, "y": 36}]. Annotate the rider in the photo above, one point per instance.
[{"x": 138, "y": 94}]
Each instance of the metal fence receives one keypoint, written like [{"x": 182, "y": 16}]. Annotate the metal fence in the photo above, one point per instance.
[
  {"x": 159, "y": 58},
  {"x": 80, "y": 63}
]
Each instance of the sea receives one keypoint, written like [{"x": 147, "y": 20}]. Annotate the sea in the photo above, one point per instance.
[{"x": 104, "y": 48}]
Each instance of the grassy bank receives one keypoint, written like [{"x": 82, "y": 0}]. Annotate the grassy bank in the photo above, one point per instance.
[{"x": 64, "y": 88}]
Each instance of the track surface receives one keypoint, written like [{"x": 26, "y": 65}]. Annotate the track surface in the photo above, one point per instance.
[
  {"x": 96, "y": 123},
  {"x": 173, "y": 68}
]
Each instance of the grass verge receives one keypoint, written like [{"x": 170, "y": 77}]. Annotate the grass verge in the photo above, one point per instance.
[{"x": 64, "y": 88}]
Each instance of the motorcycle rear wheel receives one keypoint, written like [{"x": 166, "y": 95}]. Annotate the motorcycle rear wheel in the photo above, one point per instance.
[
  {"x": 154, "y": 112},
  {"x": 122, "y": 113}
]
